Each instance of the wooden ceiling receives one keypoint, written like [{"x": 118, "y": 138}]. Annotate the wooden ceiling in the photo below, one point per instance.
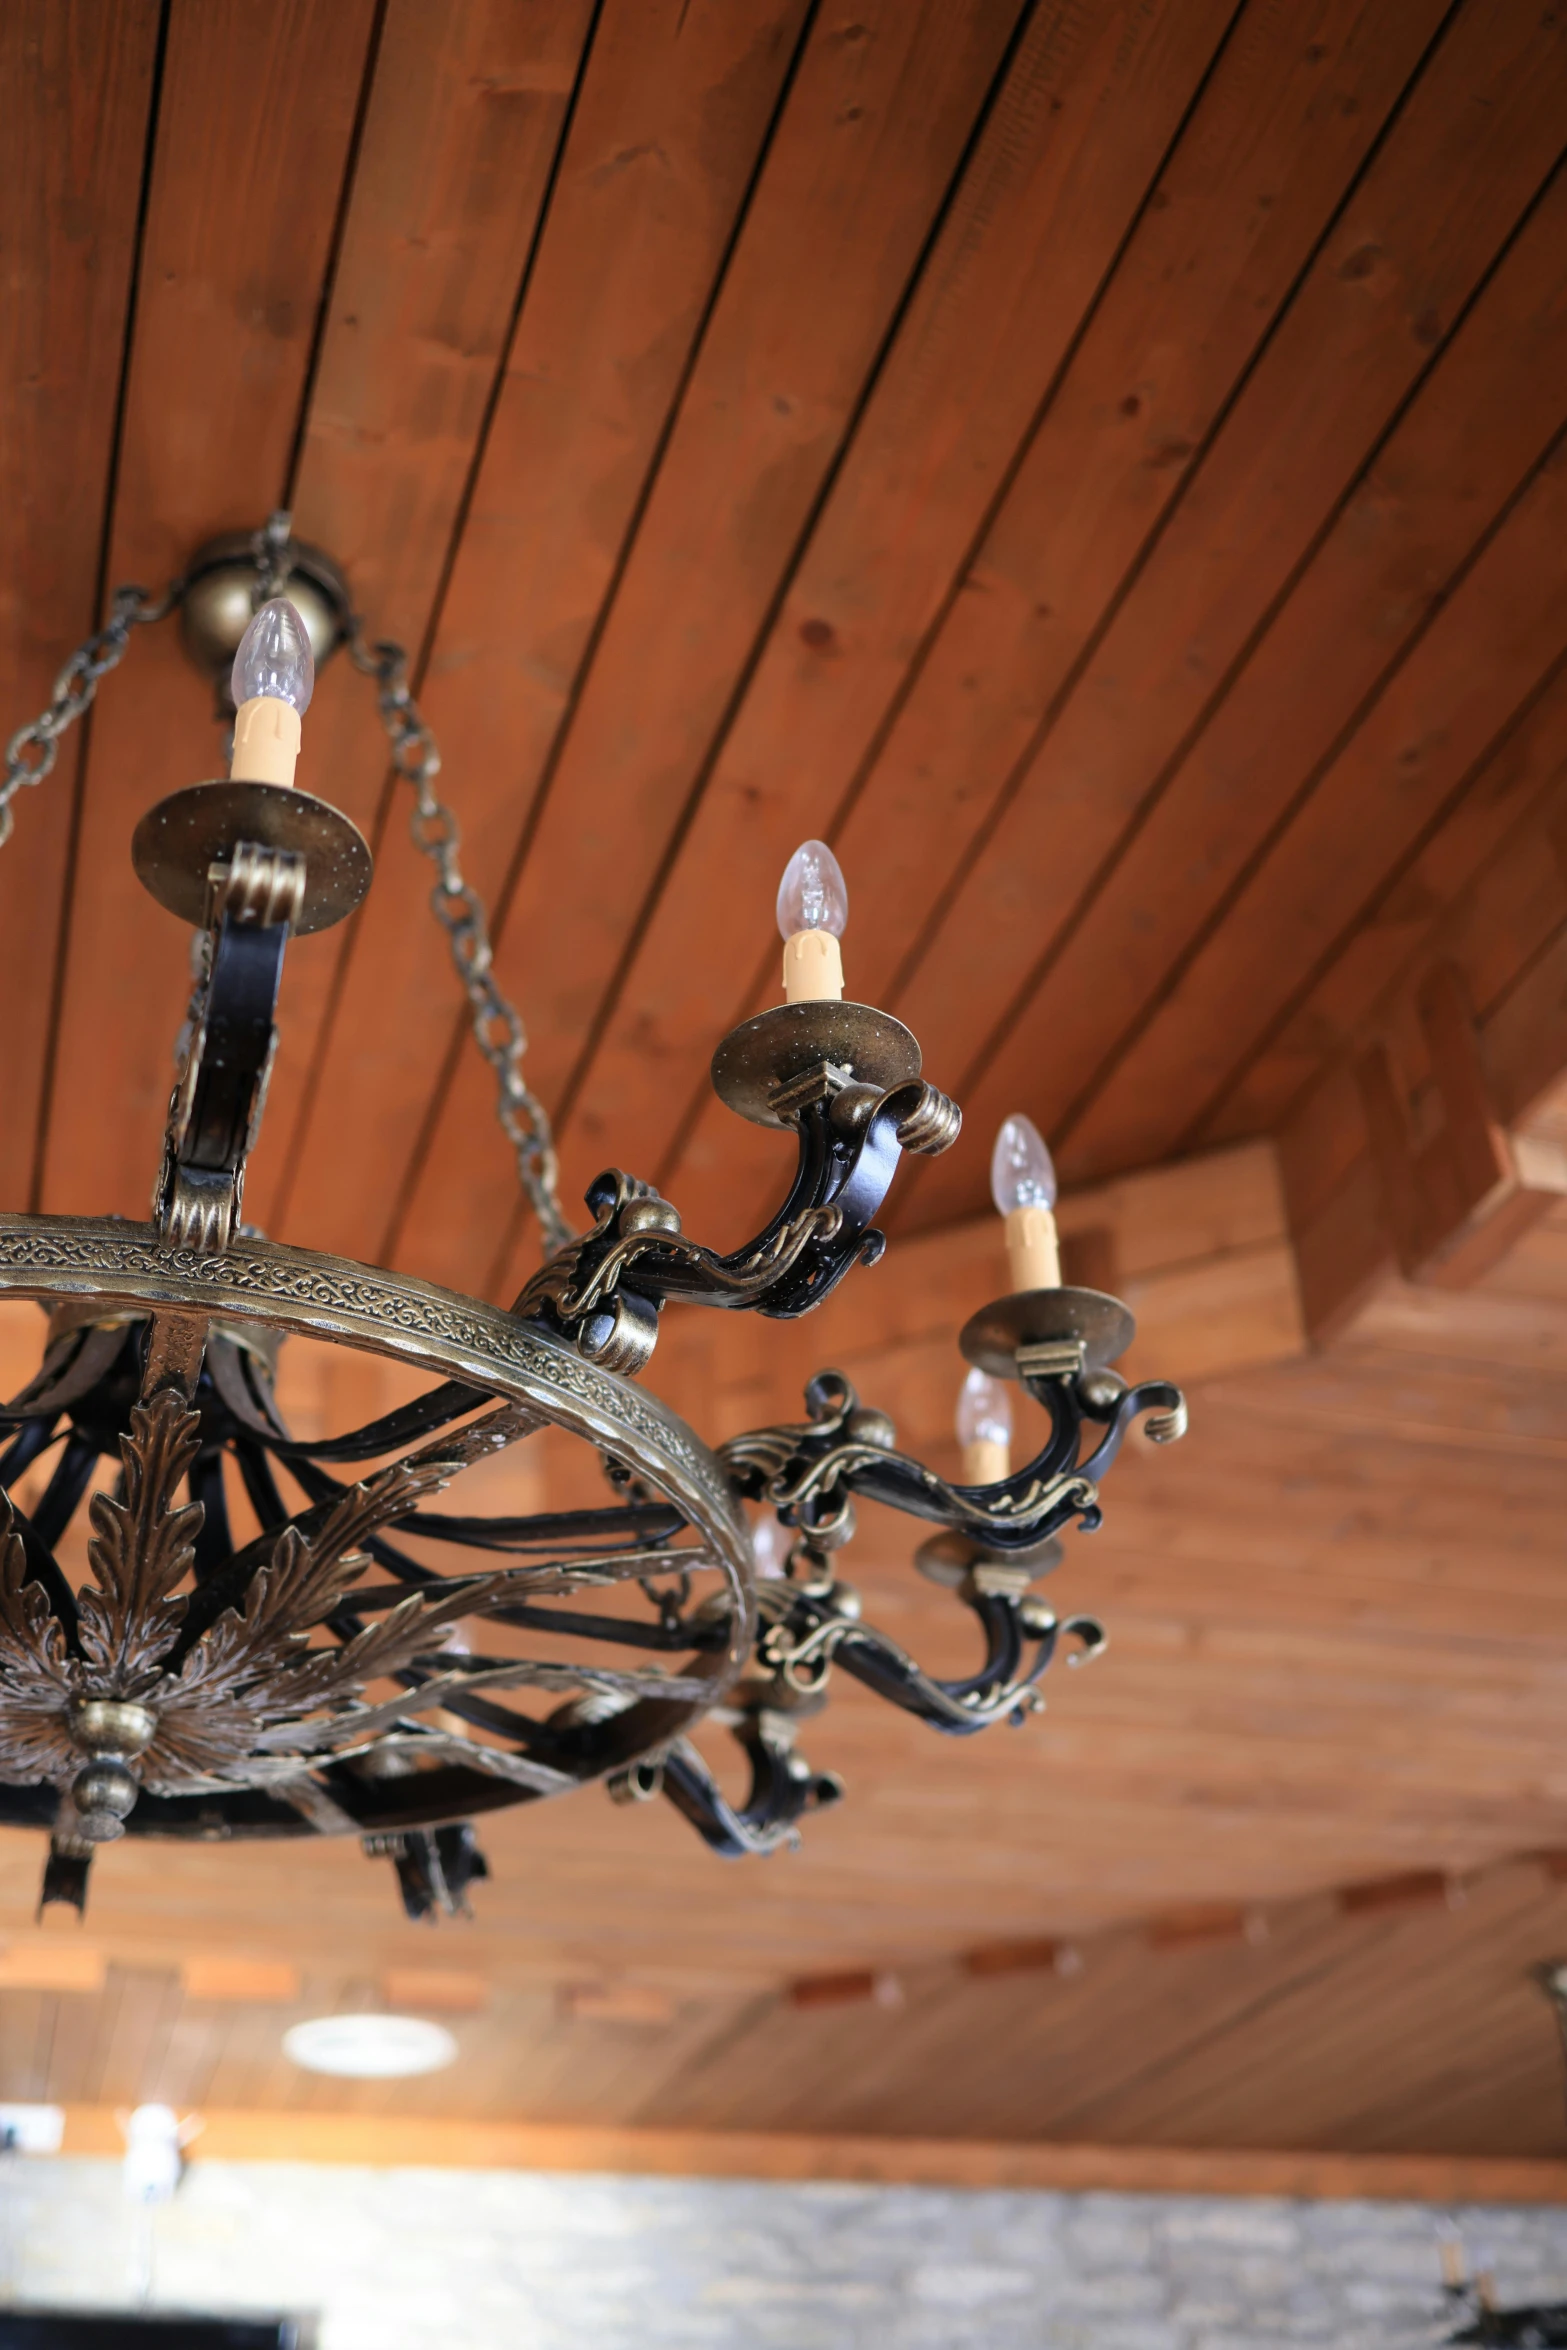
[{"x": 1101, "y": 467}]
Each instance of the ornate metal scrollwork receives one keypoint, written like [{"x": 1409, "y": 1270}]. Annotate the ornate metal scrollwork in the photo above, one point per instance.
[
  {"x": 996, "y": 1541},
  {"x": 607, "y": 1289},
  {"x": 810, "y": 1472}
]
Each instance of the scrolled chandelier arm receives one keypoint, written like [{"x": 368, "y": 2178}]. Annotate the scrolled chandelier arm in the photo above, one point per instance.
[{"x": 296, "y": 1673}]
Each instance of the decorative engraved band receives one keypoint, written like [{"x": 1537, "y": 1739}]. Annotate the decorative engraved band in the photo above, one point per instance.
[{"x": 312, "y": 1296}]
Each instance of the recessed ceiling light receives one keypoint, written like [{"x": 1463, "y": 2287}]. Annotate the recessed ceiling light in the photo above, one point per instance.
[{"x": 369, "y": 2047}]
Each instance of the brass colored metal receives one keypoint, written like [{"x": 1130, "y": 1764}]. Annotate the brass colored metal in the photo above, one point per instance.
[
  {"x": 932, "y": 1126},
  {"x": 177, "y": 843},
  {"x": 1066, "y": 1318},
  {"x": 949, "y": 1558},
  {"x": 1051, "y": 1358},
  {"x": 260, "y": 885},
  {"x": 758, "y": 1063},
  {"x": 104, "y": 1725},
  {"x": 222, "y": 587}
]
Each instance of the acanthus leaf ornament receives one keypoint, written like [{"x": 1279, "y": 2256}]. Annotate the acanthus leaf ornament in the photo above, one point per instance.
[{"x": 142, "y": 1548}]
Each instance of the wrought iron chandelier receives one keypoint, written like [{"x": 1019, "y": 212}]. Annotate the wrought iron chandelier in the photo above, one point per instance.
[{"x": 212, "y": 1682}]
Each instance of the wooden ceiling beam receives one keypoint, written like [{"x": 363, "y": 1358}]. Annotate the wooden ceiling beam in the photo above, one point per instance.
[
  {"x": 237, "y": 2135},
  {"x": 247, "y": 178},
  {"x": 76, "y": 85},
  {"x": 1363, "y": 330},
  {"x": 1412, "y": 1154}
]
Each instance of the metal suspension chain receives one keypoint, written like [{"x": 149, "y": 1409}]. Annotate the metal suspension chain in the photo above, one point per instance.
[
  {"x": 497, "y": 1024},
  {"x": 498, "y": 1030},
  {"x": 31, "y": 752}
]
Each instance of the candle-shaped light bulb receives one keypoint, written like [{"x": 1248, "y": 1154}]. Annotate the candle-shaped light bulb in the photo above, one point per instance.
[
  {"x": 273, "y": 678},
  {"x": 984, "y": 1426},
  {"x": 274, "y": 658},
  {"x": 813, "y": 908},
  {"x": 1023, "y": 1186}
]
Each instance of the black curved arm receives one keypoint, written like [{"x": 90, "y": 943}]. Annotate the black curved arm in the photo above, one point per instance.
[
  {"x": 809, "y": 1472},
  {"x": 783, "y": 1789},
  {"x": 607, "y": 1289}
]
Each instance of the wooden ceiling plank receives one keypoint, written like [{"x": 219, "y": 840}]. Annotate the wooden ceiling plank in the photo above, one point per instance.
[
  {"x": 21, "y": 2015},
  {"x": 144, "y": 2018},
  {"x": 1471, "y": 146},
  {"x": 676, "y": 103},
  {"x": 1011, "y": 737},
  {"x": 256, "y": 118},
  {"x": 1186, "y": 2008},
  {"x": 76, "y": 87},
  {"x": 1488, "y": 884},
  {"x": 461, "y": 132},
  {"x": 1054, "y": 186},
  {"x": 1399, "y": 548},
  {"x": 858, "y": 175},
  {"x": 1443, "y": 741},
  {"x": 1383, "y": 2011}
]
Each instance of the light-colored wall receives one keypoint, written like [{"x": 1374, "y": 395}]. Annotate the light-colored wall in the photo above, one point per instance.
[{"x": 494, "y": 2260}]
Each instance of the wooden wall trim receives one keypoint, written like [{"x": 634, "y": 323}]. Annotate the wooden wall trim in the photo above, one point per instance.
[{"x": 410, "y": 2140}]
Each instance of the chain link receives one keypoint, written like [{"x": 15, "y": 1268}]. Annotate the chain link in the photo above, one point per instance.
[
  {"x": 497, "y": 1024},
  {"x": 31, "y": 752}
]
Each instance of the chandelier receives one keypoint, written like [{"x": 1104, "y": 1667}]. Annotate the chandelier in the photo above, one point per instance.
[{"x": 307, "y": 1677}]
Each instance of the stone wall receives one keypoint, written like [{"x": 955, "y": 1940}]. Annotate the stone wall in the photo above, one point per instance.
[{"x": 493, "y": 2260}]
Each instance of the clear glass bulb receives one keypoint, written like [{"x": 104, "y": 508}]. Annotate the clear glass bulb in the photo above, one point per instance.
[
  {"x": 813, "y": 894},
  {"x": 274, "y": 658},
  {"x": 1022, "y": 1172},
  {"x": 984, "y": 1413}
]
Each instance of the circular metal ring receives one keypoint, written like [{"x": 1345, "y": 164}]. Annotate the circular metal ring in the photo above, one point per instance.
[{"x": 264, "y": 1287}]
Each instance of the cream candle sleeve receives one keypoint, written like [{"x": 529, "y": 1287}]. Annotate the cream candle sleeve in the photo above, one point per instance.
[
  {"x": 266, "y": 741},
  {"x": 986, "y": 1461},
  {"x": 812, "y": 968},
  {"x": 1033, "y": 1249}
]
